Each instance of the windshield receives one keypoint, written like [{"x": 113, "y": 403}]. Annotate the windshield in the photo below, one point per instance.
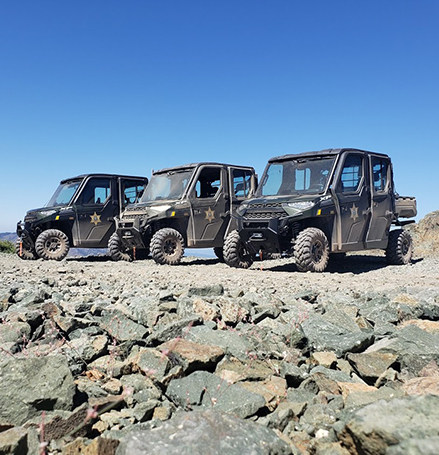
[
  {"x": 167, "y": 186},
  {"x": 307, "y": 176},
  {"x": 64, "y": 193}
]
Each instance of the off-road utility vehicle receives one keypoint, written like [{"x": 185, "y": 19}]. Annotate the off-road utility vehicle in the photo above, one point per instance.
[
  {"x": 186, "y": 206},
  {"x": 312, "y": 204},
  {"x": 80, "y": 213}
]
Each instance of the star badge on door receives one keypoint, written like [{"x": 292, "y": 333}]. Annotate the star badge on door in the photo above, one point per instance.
[
  {"x": 95, "y": 219},
  {"x": 354, "y": 212},
  {"x": 210, "y": 215}
]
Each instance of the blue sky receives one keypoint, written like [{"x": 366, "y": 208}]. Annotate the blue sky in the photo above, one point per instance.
[{"x": 126, "y": 87}]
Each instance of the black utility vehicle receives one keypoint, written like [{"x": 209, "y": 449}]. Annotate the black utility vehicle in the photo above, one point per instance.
[
  {"x": 186, "y": 206},
  {"x": 312, "y": 204},
  {"x": 80, "y": 213}
]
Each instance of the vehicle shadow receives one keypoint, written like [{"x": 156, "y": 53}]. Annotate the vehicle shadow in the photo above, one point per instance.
[{"x": 355, "y": 264}]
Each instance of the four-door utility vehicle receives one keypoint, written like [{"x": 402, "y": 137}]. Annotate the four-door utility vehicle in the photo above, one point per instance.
[
  {"x": 80, "y": 213},
  {"x": 186, "y": 206},
  {"x": 312, "y": 204}
]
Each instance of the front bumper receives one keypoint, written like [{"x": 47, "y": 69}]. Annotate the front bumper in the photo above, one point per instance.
[
  {"x": 262, "y": 234},
  {"x": 24, "y": 235},
  {"x": 130, "y": 235}
]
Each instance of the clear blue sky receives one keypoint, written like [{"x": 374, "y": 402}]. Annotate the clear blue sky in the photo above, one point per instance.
[{"x": 125, "y": 87}]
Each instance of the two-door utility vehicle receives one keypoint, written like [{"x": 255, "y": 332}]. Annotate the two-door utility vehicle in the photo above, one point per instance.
[
  {"x": 313, "y": 204},
  {"x": 80, "y": 213},
  {"x": 186, "y": 206}
]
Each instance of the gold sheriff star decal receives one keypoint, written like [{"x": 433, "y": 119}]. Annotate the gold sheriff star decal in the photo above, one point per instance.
[
  {"x": 210, "y": 215},
  {"x": 95, "y": 219},
  {"x": 354, "y": 212}
]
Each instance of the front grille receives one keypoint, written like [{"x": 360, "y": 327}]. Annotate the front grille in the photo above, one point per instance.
[{"x": 263, "y": 215}]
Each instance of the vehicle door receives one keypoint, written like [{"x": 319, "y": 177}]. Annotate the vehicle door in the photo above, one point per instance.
[
  {"x": 130, "y": 191},
  {"x": 242, "y": 186},
  {"x": 354, "y": 199},
  {"x": 95, "y": 207},
  {"x": 208, "y": 197},
  {"x": 382, "y": 202}
]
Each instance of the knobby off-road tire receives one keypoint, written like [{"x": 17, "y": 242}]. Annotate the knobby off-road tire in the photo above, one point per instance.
[
  {"x": 116, "y": 250},
  {"x": 399, "y": 250},
  {"x": 24, "y": 252},
  {"x": 52, "y": 244},
  {"x": 219, "y": 253},
  {"x": 311, "y": 250},
  {"x": 167, "y": 246},
  {"x": 235, "y": 252}
]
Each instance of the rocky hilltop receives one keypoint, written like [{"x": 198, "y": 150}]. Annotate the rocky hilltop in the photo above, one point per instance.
[{"x": 98, "y": 357}]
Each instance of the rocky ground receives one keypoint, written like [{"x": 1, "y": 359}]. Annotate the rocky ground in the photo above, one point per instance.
[{"x": 98, "y": 357}]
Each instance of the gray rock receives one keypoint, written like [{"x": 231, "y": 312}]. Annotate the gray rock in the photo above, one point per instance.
[
  {"x": 415, "y": 446},
  {"x": 173, "y": 330},
  {"x": 206, "y": 389},
  {"x": 121, "y": 328},
  {"x": 214, "y": 290},
  {"x": 31, "y": 385},
  {"x": 230, "y": 341},
  {"x": 14, "y": 331},
  {"x": 204, "y": 432},
  {"x": 374, "y": 428},
  {"x": 414, "y": 347},
  {"x": 323, "y": 335}
]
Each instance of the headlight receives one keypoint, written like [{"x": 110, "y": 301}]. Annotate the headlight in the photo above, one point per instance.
[
  {"x": 242, "y": 209},
  {"x": 301, "y": 205},
  {"x": 159, "y": 208},
  {"x": 47, "y": 213}
]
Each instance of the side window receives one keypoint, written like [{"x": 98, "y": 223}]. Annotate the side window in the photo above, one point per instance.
[
  {"x": 351, "y": 174},
  {"x": 96, "y": 191},
  {"x": 241, "y": 183},
  {"x": 303, "y": 179},
  {"x": 132, "y": 191},
  {"x": 208, "y": 182},
  {"x": 380, "y": 171}
]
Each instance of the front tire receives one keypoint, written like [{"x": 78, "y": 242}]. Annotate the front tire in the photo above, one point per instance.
[
  {"x": 115, "y": 248},
  {"x": 236, "y": 253},
  {"x": 311, "y": 250},
  {"x": 167, "y": 246},
  {"x": 399, "y": 250},
  {"x": 52, "y": 245},
  {"x": 24, "y": 252}
]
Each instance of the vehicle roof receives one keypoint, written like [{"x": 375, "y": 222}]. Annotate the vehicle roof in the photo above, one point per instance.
[
  {"x": 325, "y": 152},
  {"x": 194, "y": 165},
  {"x": 81, "y": 176}
]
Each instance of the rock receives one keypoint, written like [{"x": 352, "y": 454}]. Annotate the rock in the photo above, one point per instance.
[
  {"x": 231, "y": 342},
  {"x": 192, "y": 356},
  {"x": 371, "y": 366},
  {"x": 376, "y": 427},
  {"x": 174, "y": 329},
  {"x": 272, "y": 389},
  {"x": 427, "y": 326},
  {"x": 121, "y": 328},
  {"x": 414, "y": 347},
  {"x": 206, "y": 389},
  {"x": 14, "y": 441},
  {"x": 415, "y": 446},
  {"x": 324, "y": 358},
  {"x": 422, "y": 386},
  {"x": 323, "y": 335},
  {"x": 202, "y": 432},
  {"x": 214, "y": 290},
  {"x": 356, "y": 394},
  {"x": 31, "y": 385},
  {"x": 87, "y": 348},
  {"x": 234, "y": 370},
  {"x": 207, "y": 311},
  {"x": 14, "y": 332},
  {"x": 151, "y": 362}
]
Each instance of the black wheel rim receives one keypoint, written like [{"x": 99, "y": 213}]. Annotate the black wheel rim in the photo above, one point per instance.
[
  {"x": 170, "y": 246},
  {"x": 53, "y": 245},
  {"x": 405, "y": 247},
  {"x": 317, "y": 251}
]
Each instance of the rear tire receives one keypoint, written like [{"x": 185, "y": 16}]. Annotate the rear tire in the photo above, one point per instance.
[
  {"x": 311, "y": 250},
  {"x": 167, "y": 246},
  {"x": 52, "y": 245},
  {"x": 236, "y": 253},
  {"x": 219, "y": 253},
  {"x": 24, "y": 252},
  {"x": 116, "y": 250},
  {"x": 399, "y": 250}
]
